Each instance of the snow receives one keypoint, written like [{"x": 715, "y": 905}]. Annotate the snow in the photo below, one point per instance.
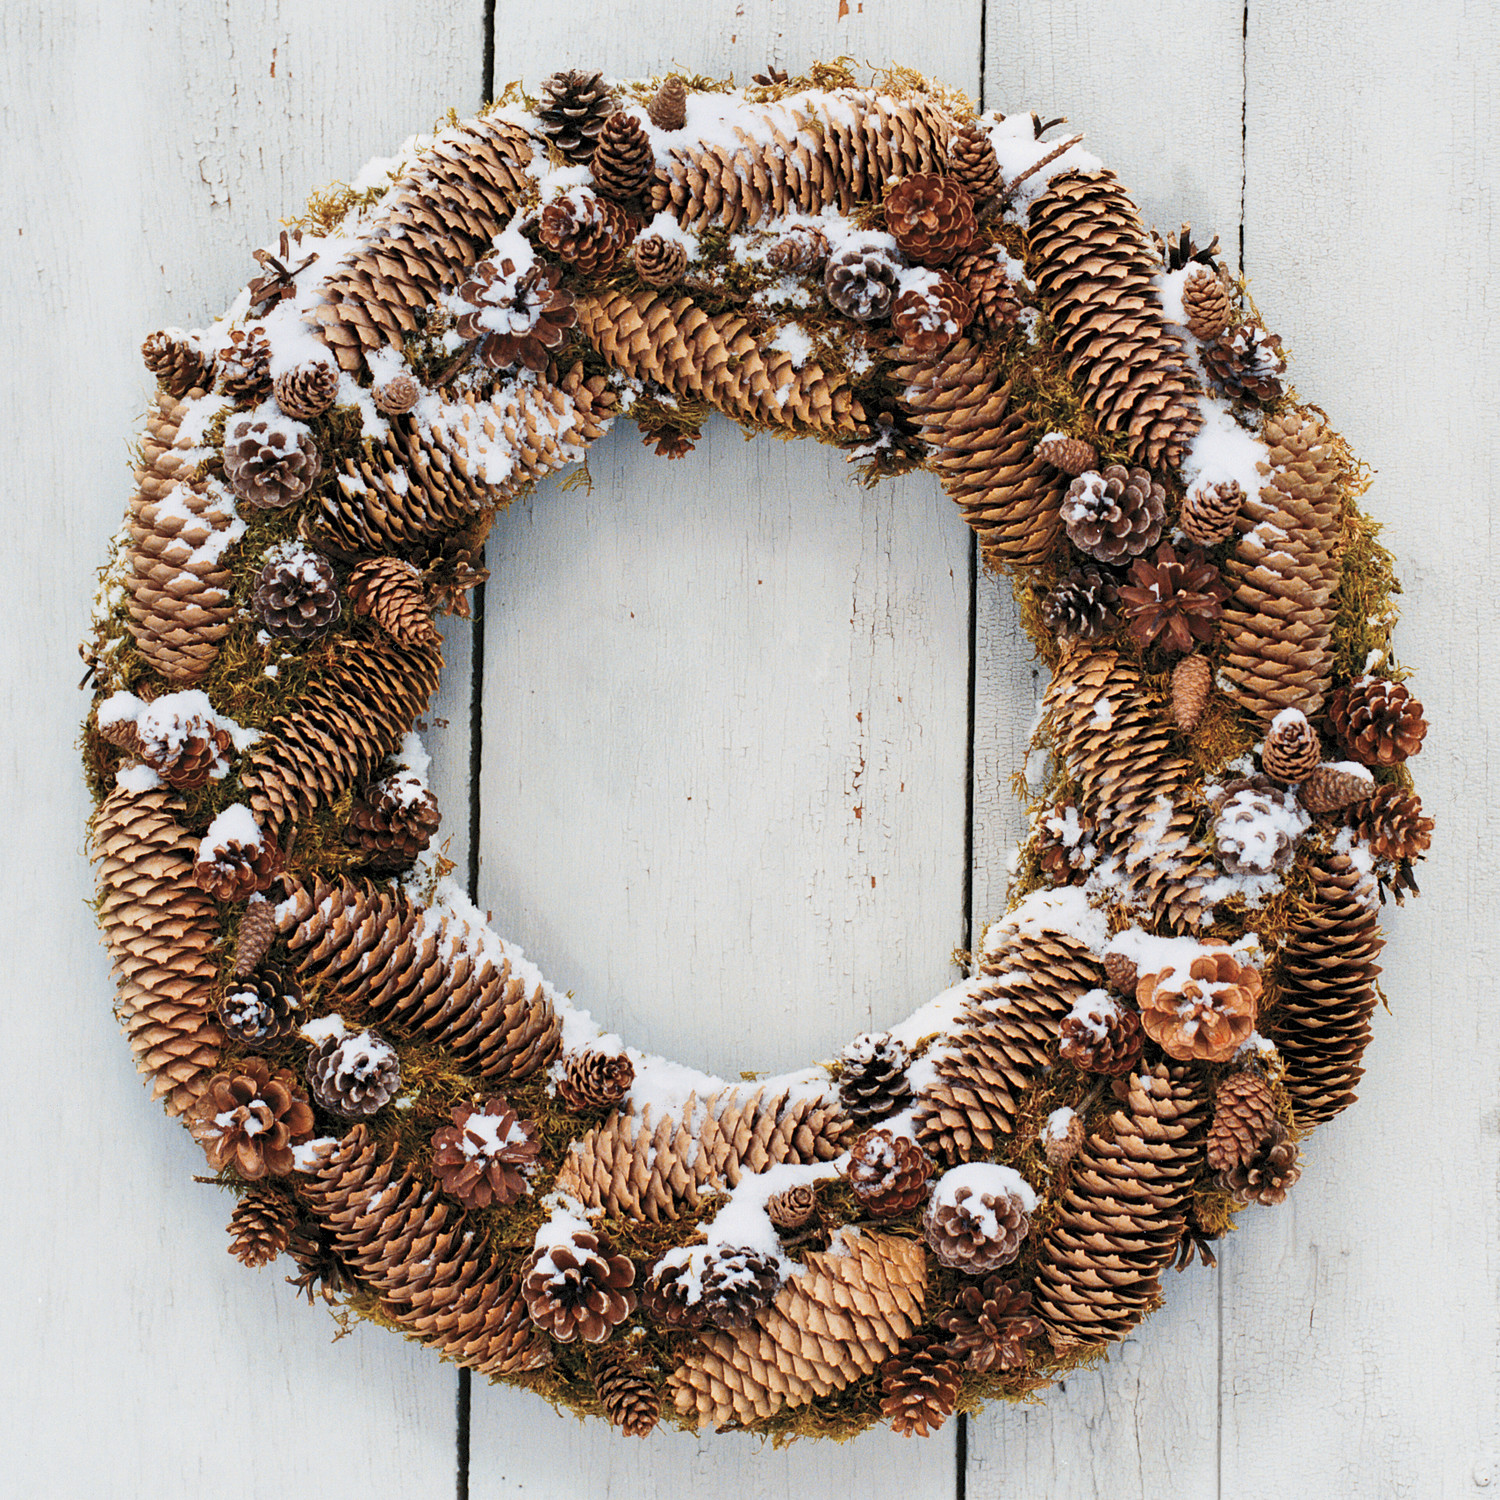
[
  {"x": 1058, "y": 1124},
  {"x": 1169, "y": 286},
  {"x": 1094, "y": 1011},
  {"x": 1017, "y": 149},
  {"x": 1222, "y": 450},
  {"x": 665, "y": 227},
  {"x": 1065, "y": 911},
  {"x": 481, "y": 1135},
  {"x": 1171, "y": 958},
  {"x": 1103, "y": 716},
  {"x": 137, "y": 779},
  {"x": 235, "y": 825},
  {"x": 794, "y": 340},
  {"x": 971, "y": 1183},
  {"x": 1288, "y": 718},
  {"x": 310, "y": 1155},
  {"x": 319, "y": 1031}
]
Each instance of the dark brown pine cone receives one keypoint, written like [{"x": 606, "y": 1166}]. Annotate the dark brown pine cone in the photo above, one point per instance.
[
  {"x": 253, "y": 941},
  {"x": 595, "y": 1080},
  {"x": 1172, "y": 602},
  {"x": 260, "y": 1228},
  {"x": 1068, "y": 455},
  {"x": 977, "y": 1217},
  {"x": 518, "y": 319},
  {"x": 861, "y": 283},
  {"x": 260, "y": 1008},
  {"x": 249, "y": 1118},
  {"x": 738, "y": 1284},
  {"x": 622, "y": 159},
  {"x": 1391, "y": 823},
  {"x": 888, "y": 1173},
  {"x": 184, "y": 750},
  {"x": 278, "y": 278},
  {"x": 1378, "y": 722},
  {"x": 320, "y": 1270},
  {"x": 1101, "y": 1036},
  {"x": 235, "y": 857},
  {"x": 991, "y": 1325},
  {"x": 1180, "y": 249},
  {"x": 1121, "y": 973},
  {"x": 973, "y": 164},
  {"x": 244, "y": 365},
  {"x": 802, "y": 249},
  {"x": 355, "y": 1075},
  {"x": 177, "y": 360},
  {"x": 919, "y": 1387},
  {"x": 930, "y": 318},
  {"x": 664, "y": 1298},
  {"x": 396, "y": 396},
  {"x": 1292, "y": 747},
  {"x": 1116, "y": 514},
  {"x": 873, "y": 1082},
  {"x": 394, "y": 821},
  {"x": 1250, "y": 829},
  {"x": 1205, "y": 300},
  {"x": 1209, "y": 512},
  {"x": 983, "y": 275},
  {"x": 1247, "y": 362},
  {"x": 574, "y": 105},
  {"x": 629, "y": 1399},
  {"x": 930, "y": 217},
  {"x": 1265, "y": 1179},
  {"x": 586, "y": 231},
  {"x": 659, "y": 261},
  {"x": 449, "y": 580},
  {"x": 480, "y": 1158},
  {"x": 1196, "y": 1243},
  {"x": 668, "y": 106},
  {"x": 669, "y": 442},
  {"x": 1083, "y": 605},
  {"x": 269, "y": 464},
  {"x": 1327, "y": 788},
  {"x": 578, "y": 1290},
  {"x": 794, "y": 1208},
  {"x": 1063, "y": 836},
  {"x": 307, "y": 391},
  {"x": 296, "y": 594},
  {"x": 1244, "y": 1120}
]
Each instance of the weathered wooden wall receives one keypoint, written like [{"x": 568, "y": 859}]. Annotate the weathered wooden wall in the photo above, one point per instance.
[{"x": 725, "y": 740}]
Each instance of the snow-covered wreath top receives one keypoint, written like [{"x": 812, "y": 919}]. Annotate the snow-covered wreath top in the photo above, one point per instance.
[{"x": 965, "y": 1206}]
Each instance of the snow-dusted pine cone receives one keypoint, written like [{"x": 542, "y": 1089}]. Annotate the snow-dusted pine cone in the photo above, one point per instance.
[
  {"x": 861, "y": 283},
  {"x": 1205, "y": 1014},
  {"x": 519, "y": 317},
  {"x": 664, "y": 1297},
  {"x": 794, "y": 1208},
  {"x": 919, "y": 1386},
  {"x": 178, "y": 743},
  {"x": 991, "y": 1325},
  {"x": 930, "y": 317},
  {"x": 1248, "y": 363},
  {"x": 579, "y": 1290},
  {"x": 658, "y": 260},
  {"x": 572, "y": 110},
  {"x": 586, "y": 231},
  {"x": 1292, "y": 747},
  {"x": 1378, "y": 722},
  {"x": 260, "y": 1008},
  {"x": 978, "y": 1216},
  {"x": 1327, "y": 788},
  {"x": 595, "y": 1080},
  {"x": 1209, "y": 512},
  {"x": 622, "y": 158},
  {"x": 296, "y": 593},
  {"x": 307, "y": 391},
  {"x": 1266, "y": 1178},
  {"x": 1100, "y": 1035},
  {"x": 481, "y": 1158},
  {"x": 396, "y": 396},
  {"x": 738, "y": 1284},
  {"x": 1115, "y": 514},
  {"x": 1171, "y": 601},
  {"x": 393, "y": 821},
  {"x": 930, "y": 217},
  {"x": 260, "y": 1228},
  {"x": 873, "y": 1082},
  {"x": 1244, "y": 1116},
  {"x": 1064, "y": 838},
  {"x": 1062, "y": 1137},
  {"x": 888, "y": 1173},
  {"x": 354, "y": 1076},
  {"x": 249, "y": 1118},
  {"x": 1256, "y": 826},
  {"x": 235, "y": 857},
  {"x": 1083, "y": 605},
  {"x": 269, "y": 463},
  {"x": 244, "y": 365},
  {"x": 800, "y": 250},
  {"x": 177, "y": 360}
]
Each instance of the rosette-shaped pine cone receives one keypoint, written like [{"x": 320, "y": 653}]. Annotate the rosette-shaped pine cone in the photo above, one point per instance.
[
  {"x": 296, "y": 594},
  {"x": 321, "y": 1271},
  {"x": 930, "y": 217},
  {"x": 888, "y": 1173},
  {"x": 919, "y": 1387},
  {"x": 972, "y": 163},
  {"x": 578, "y": 1290},
  {"x": 1209, "y": 512},
  {"x": 622, "y": 158},
  {"x": 177, "y": 360},
  {"x": 800, "y": 249},
  {"x": 668, "y": 106},
  {"x": 595, "y": 1080},
  {"x": 794, "y": 1208},
  {"x": 518, "y": 320},
  {"x": 353, "y": 1076},
  {"x": 737, "y": 1284},
  {"x": 664, "y": 1297},
  {"x": 481, "y": 1157},
  {"x": 1205, "y": 1014},
  {"x": 1378, "y": 722},
  {"x": 244, "y": 365},
  {"x": 982, "y": 274},
  {"x": 396, "y": 396},
  {"x": 1391, "y": 823},
  {"x": 1121, "y": 973},
  {"x": 1205, "y": 300},
  {"x": 1116, "y": 514},
  {"x": 1266, "y": 1178},
  {"x": 1083, "y": 605},
  {"x": 394, "y": 821},
  {"x": 307, "y": 391},
  {"x": 991, "y": 1325},
  {"x": 261, "y": 1007},
  {"x": 1192, "y": 682},
  {"x": 1256, "y": 826},
  {"x": 629, "y": 1399},
  {"x": 1327, "y": 788},
  {"x": 1244, "y": 1118},
  {"x": 1291, "y": 748},
  {"x": 861, "y": 283},
  {"x": 1100, "y": 1036},
  {"x": 249, "y": 1118},
  {"x": 234, "y": 869},
  {"x": 930, "y": 317},
  {"x": 977, "y": 1217},
  {"x": 586, "y": 231},
  {"x": 873, "y": 1083},
  {"x": 260, "y": 1228},
  {"x": 659, "y": 261},
  {"x": 1068, "y": 455},
  {"x": 574, "y": 105},
  {"x": 1248, "y": 363},
  {"x": 1174, "y": 601},
  {"x": 269, "y": 464},
  {"x": 1063, "y": 839}
]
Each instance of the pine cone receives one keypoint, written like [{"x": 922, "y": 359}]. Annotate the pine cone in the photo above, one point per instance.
[
  {"x": 973, "y": 164},
  {"x": 1064, "y": 839},
  {"x": 321, "y": 1270},
  {"x": 623, "y": 158},
  {"x": 518, "y": 320},
  {"x": 929, "y": 318},
  {"x": 983, "y": 275},
  {"x": 480, "y": 1158},
  {"x": 976, "y": 1229},
  {"x": 873, "y": 1082},
  {"x": 794, "y": 1208},
  {"x": 861, "y": 283},
  {"x": 260, "y": 1228},
  {"x": 629, "y": 1399},
  {"x": 1192, "y": 682},
  {"x": 1327, "y": 788},
  {"x": 664, "y": 1297},
  {"x": 1187, "y": 1020},
  {"x": 269, "y": 464},
  {"x": 1266, "y": 1178},
  {"x": 449, "y": 580},
  {"x": 232, "y": 864},
  {"x": 253, "y": 941},
  {"x": 1205, "y": 299},
  {"x": 261, "y": 1008},
  {"x": 1083, "y": 605},
  {"x": 250, "y": 1118},
  {"x": 1116, "y": 514},
  {"x": 244, "y": 365},
  {"x": 1378, "y": 722},
  {"x": 801, "y": 249},
  {"x": 393, "y": 593},
  {"x": 888, "y": 1173},
  {"x": 930, "y": 217},
  {"x": 579, "y": 1290},
  {"x": 1179, "y": 250},
  {"x": 574, "y": 105},
  {"x": 296, "y": 594},
  {"x": 738, "y": 1284},
  {"x": 396, "y": 396},
  {"x": 307, "y": 391},
  {"x": 1209, "y": 512},
  {"x": 394, "y": 821},
  {"x": 595, "y": 1080},
  {"x": 586, "y": 231},
  {"x": 1100, "y": 1036},
  {"x": 1066, "y": 454},
  {"x": 919, "y": 1387},
  {"x": 1248, "y": 363},
  {"x": 991, "y": 1324},
  {"x": 1292, "y": 747},
  {"x": 659, "y": 261},
  {"x": 181, "y": 746},
  {"x": 178, "y": 361},
  {"x": 1121, "y": 973},
  {"x": 1391, "y": 823},
  {"x": 1174, "y": 601},
  {"x": 1244, "y": 1119},
  {"x": 668, "y": 106},
  {"x": 668, "y": 442},
  {"x": 1062, "y": 1138},
  {"x": 353, "y": 1076}
]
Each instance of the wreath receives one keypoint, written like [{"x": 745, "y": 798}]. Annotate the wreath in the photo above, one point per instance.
[{"x": 963, "y": 1207}]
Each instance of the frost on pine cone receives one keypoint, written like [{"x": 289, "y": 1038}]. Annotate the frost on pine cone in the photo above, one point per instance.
[
  {"x": 170, "y": 735},
  {"x": 249, "y": 1118},
  {"x": 235, "y": 858},
  {"x": 1101, "y": 1036},
  {"x": 888, "y": 1173},
  {"x": 574, "y": 105},
  {"x": 873, "y": 1083},
  {"x": 1292, "y": 747},
  {"x": 178, "y": 361},
  {"x": 1204, "y": 1015},
  {"x": 738, "y": 1284},
  {"x": 1114, "y": 515},
  {"x": 393, "y": 821},
  {"x": 861, "y": 283},
  {"x": 260, "y": 1008},
  {"x": 991, "y": 1325},
  {"x": 579, "y": 1290},
  {"x": 978, "y": 1217},
  {"x": 481, "y": 1158},
  {"x": 801, "y": 249},
  {"x": 296, "y": 594},
  {"x": 930, "y": 317},
  {"x": 519, "y": 318},
  {"x": 1172, "y": 602},
  {"x": 1083, "y": 605},
  {"x": 595, "y": 1080},
  {"x": 354, "y": 1076},
  {"x": 307, "y": 391},
  {"x": 1256, "y": 826},
  {"x": 931, "y": 218},
  {"x": 269, "y": 464},
  {"x": 1378, "y": 722},
  {"x": 244, "y": 365}
]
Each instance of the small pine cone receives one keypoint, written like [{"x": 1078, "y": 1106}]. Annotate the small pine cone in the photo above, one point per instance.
[
  {"x": 353, "y": 1076},
  {"x": 1172, "y": 602},
  {"x": 253, "y": 941},
  {"x": 664, "y": 1298},
  {"x": 629, "y": 1399},
  {"x": 574, "y": 105},
  {"x": 307, "y": 391},
  {"x": 1064, "y": 837},
  {"x": 873, "y": 1083},
  {"x": 794, "y": 1208},
  {"x": 232, "y": 868},
  {"x": 1121, "y": 973},
  {"x": 394, "y": 821},
  {"x": 1100, "y": 1036},
  {"x": 803, "y": 249},
  {"x": 579, "y": 1290},
  {"x": 1196, "y": 1243},
  {"x": 449, "y": 580},
  {"x": 1209, "y": 512},
  {"x": 296, "y": 594},
  {"x": 1083, "y": 605},
  {"x": 244, "y": 365},
  {"x": 1265, "y": 1180},
  {"x": 595, "y": 1080},
  {"x": 269, "y": 464},
  {"x": 183, "y": 749},
  {"x": 1062, "y": 1139},
  {"x": 321, "y": 1271},
  {"x": 929, "y": 318},
  {"x": 659, "y": 261},
  {"x": 1292, "y": 747},
  {"x": 1327, "y": 788},
  {"x": 992, "y": 1323},
  {"x": 393, "y": 593},
  {"x": 1192, "y": 682},
  {"x": 586, "y": 231},
  {"x": 481, "y": 1158},
  {"x": 1378, "y": 722},
  {"x": 1205, "y": 299},
  {"x": 1206, "y": 1014},
  {"x": 260, "y": 1228},
  {"x": 1066, "y": 454},
  {"x": 861, "y": 283},
  {"x": 249, "y": 1118},
  {"x": 1114, "y": 515},
  {"x": 930, "y": 217},
  {"x": 261, "y": 1008},
  {"x": 1391, "y": 823},
  {"x": 738, "y": 1284},
  {"x": 983, "y": 275},
  {"x": 396, "y": 396},
  {"x": 1255, "y": 826},
  {"x": 977, "y": 1218},
  {"x": 668, "y": 106},
  {"x": 973, "y": 164},
  {"x": 623, "y": 159},
  {"x": 1244, "y": 1118},
  {"x": 669, "y": 442},
  {"x": 1248, "y": 363},
  {"x": 178, "y": 361},
  {"x": 888, "y": 1173},
  {"x": 517, "y": 319},
  {"x": 919, "y": 1387}
]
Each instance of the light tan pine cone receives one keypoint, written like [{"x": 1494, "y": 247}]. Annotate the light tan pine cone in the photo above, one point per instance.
[
  {"x": 659, "y": 261},
  {"x": 873, "y": 1082},
  {"x": 260, "y": 1008},
  {"x": 393, "y": 821},
  {"x": 919, "y": 1387},
  {"x": 1205, "y": 1014},
  {"x": 738, "y": 1284},
  {"x": 595, "y": 1080},
  {"x": 888, "y": 1173},
  {"x": 1391, "y": 823},
  {"x": 307, "y": 391},
  {"x": 1328, "y": 788},
  {"x": 244, "y": 365},
  {"x": 1378, "y": 722},
  {"x": 579, "y": 1290},
  {"x": 930, "y": 217},
  {"x": 623, "y": 159},
  {"x": 396, "y": 396},
  {"x": 296, "y": 594},
  {"x": 794, "y": 1208},
  {"x": 1061, "y": 1145},
  {"x": 973, "y": 164},
  {"x": 1266, "y": 1178},
  {"x": 393, "y": 593},
  {"x": 1209, "y": 512},
  {"x": 977, "y": 1228},
  {"x": 1205, "y": 299},
  {"x": 481, "y": 1157},
  {"x": 1068, "y": 455},
  {"x": 860, "y": 282},
  {"x": 269, "y": 464},
  {"x": 1192, "y": 682},
  {"x": 1244, "y": 1118},
  {"x": 991, "y": 1325},
  {"x": 178, "y": 361},
  {"x": 983, "y": 275},
  {"x": 1100, "y": 1036},
  {"x": 1115, "y": 514},
  {"x": 586, "y": 231},
  {"x": 1292, "y": 747},
  {"x": 256, "y": 934},
  {"x": 629, "y": 1399},
  {"x": 354, "y": 1076},
  {"x": 668, "y": 106},
  {"x": 249, "y": 1118},
  {"x": 801, "y": 249},
  {"x": 572, "y": 110},
  {"x": 260, "y": 1228}
]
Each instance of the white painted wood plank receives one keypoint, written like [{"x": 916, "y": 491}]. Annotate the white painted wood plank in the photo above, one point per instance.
[
  {"x": 148, "y": 147},
  {"x": 1370, "y": 243}
]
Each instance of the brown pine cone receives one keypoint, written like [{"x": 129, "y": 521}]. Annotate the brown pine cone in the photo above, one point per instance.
[
  {"x": 1100, "y": 1036},
  {"x": 982, "y": 274},
  {"x": 668, "y": 106},
  {"x": 449, "y": 580},
  {"x": 1248, "y": 363},
  {"x": 321, "y": 1271},
  {"x": 664, "y": 1297},
  {"x": 184, "y": 749},
  {"x": 622, "y": 159},
  {"x": 236, "y": 858},
  {"x": 659, "y": 261},
  {"x": 296, "y": 594},
  {"x": 1196, "y": 1242},
  {"x": 977, "y": 1217},
  {"x": 802, "y": 249},
  {"x": 269, "y": 464},
  {"x": 177, "y": 360},
  {"x": 1068, "y": 455},
  {"x": 873, "y": 1082},
  {"x": 396, "y": 396},
  {"x": 669, "y": 442},
  {"x": 586, "y": 231},
  {"x": 929, "y": 318},
  {"x": 1114, "y": 515},
  {"x": 394, "y": 821},
  {"x": 1327, "y": 788},
  {"x": 1192, "y": 682},
  {"x": 1244, "y": 1117},
  {"x": 1378, "y": 722},
  {"x": 973, "y": 164},
  {"x": 574, "y": 105},
  {"x": 260, "y": 1008},
  {"x": 1062, "y": 1138},
  {"x": 355, "y": 1075},
  {"x": 307, "y": 391},
  {"x": 919, "y": 1387},
  {"x": 518, "y": 319},
  {"x": 1180, "y": 249},
  {"x": 1291, "y": 748},
  {"x": 253, "y": 941},
  {"x": 1205, "y": 1014},
  {"x": 738, "y": 1284},
  {"x": 991, "y": 1325},
  {"x": 393, "y": 593},
  {"x": 1265, "y": 1180},
  {"x": 930, "y": 217},
  {"x": 244, "y": 365},
  {"x": 629, "y": 1399},
  {"x": 1205, "y": 299},
  {"x": 1391, "y": 823},
  {"x": 861, "y": 283},
  {"x": 1121, "y": 973},
  {"x": 579, "y": 1290},
  {"x": 1209, "y": 512},
  {"x": 1063, "y": 839},
  {"x": 480, "y": 1158},
  {"x": 1083, "y": 605},
  {"x": 794, "y": 1208},
  {"x": 260, "y": 1228},
  {"x": 888, "y": 1173},
  {"x": 249, "y": 1118},
  {"x": 1173, "y": 601},
  {"x": 595, "y": 1080}
]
